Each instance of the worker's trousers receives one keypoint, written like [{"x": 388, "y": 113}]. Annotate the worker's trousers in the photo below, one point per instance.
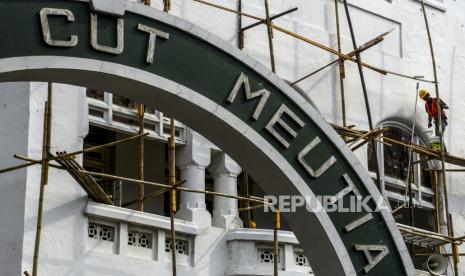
[{"x": 436, "y": 127}]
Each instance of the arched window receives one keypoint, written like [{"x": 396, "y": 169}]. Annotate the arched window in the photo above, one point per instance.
[{"x": 393, "y": 163}]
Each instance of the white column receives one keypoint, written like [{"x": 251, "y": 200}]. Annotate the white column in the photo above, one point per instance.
[
  {"x": 192, "y": 161},
  {"x": 224, "y": 172}
]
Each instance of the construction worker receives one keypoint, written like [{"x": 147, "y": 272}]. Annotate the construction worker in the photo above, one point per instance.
[{"x": 432, "y": 110}]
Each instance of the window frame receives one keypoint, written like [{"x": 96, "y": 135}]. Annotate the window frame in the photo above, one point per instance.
[
  {"x": 110, "y": 111},
  {"x": 419, "y": 190}
]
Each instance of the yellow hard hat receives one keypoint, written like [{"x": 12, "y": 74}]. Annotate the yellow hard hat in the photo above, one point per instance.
[{"x": 423, "y": 93}]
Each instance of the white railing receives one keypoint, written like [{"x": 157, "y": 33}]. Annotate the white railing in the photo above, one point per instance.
[
  {"x": 119, "y": 231},
  {"x": 251, "y": 253}
]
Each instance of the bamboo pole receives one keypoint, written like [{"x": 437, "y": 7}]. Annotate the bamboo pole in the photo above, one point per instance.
[
  {"x": 248, "y": 214},
  {"x": 248, "y": 209},
  {"x": 277, "y": 226},
  {"x": 166, "y": 5},
  {"x": 47, "y": 130},
  {"x": 455, "y": 248},
  {"x": 447, "y": 170},
  {"x": 269, "y": 27},
  {"x": 444, "y": 254},
  {"x": 398, "y": 208},
  {"x": 240, "y": 40},
  {"x": 141, "y": 111},
  {"x": 341, "y": 65},
  {"x": 17, "y": 167},
  {"x": 436, "y": 201},
  {"x": 172, "y": 182},
  {"x": 364, "y": 89}
]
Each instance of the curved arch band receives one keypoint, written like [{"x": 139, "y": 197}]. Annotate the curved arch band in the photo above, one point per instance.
[{"x": 191, "y": 77}]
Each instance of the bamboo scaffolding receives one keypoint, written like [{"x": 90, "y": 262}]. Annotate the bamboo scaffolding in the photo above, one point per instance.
[
  {"x": 141, "y": 113},
  {"x": 47, "y": 131},
  {"x": 277, "y": 226},
  {"x": 249, "y": 208},
  {"x": 369, "y": 44},
  {"x": 367, "y": 137},
  {"x": 269, "y": 28},
  {"x": 341, "y": 66},
  {"x": 447, "y": 170},
  {"x": 443, "y": 254},
  {"x": 443, "y": 239},
  {"x": 166, "y": 5},
  {"x": 314, "y": 43},
  {"x": 441, "y": 133},
  {"x": 248, "y": 214},
  {"x": 240, "y": 40},
  {"x": 436, "y": 202},
  {"x": 150, "y": 183},
  {"x": 17, "y": 167},
  {"x": 424, "y": 151},
  {"x": 87, "y": 182},
  {"x": 172, "y": 181},
  {"x": 455, "y": 248}
]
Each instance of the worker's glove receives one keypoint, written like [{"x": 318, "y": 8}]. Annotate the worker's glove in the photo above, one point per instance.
[{"x": 430, "y": 125}]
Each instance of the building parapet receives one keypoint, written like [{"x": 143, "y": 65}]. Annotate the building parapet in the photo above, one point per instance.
[{"x": 114, "y": 213}]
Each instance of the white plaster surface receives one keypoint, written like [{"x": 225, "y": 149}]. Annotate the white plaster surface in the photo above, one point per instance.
[
  {"x": 192, "y": 161},
  {"x": 405, "y": 50},
  {"x": 113, "y": 7},
  {"x": 225, "y": 210}
]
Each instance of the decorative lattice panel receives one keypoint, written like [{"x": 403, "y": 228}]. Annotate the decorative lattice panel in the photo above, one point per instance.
[
  {"x": 101, "y": 232},
  {"x": 301, "y": 259},
  {"x": 181, "y": 247},
  {"x": 265, "y": 255},
  {"x": 140, "y": 239}
]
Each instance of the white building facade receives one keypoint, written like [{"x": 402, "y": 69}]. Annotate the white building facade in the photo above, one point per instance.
[{"x": 81, "y": 237}]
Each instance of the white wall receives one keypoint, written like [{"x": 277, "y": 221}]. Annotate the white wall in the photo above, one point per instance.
[
  {"x": 62, "y": 217},
  {"x": 405, "y": 50},
  {"x": 14, "y": 119}
]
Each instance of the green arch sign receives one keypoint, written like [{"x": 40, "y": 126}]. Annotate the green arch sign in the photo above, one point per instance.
[{"x": 230, "y": 98}]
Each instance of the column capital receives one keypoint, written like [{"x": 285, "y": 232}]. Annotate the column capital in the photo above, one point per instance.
[
  {"x": 223, "y": 164},
  {"x": 196, "y": 152}
]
